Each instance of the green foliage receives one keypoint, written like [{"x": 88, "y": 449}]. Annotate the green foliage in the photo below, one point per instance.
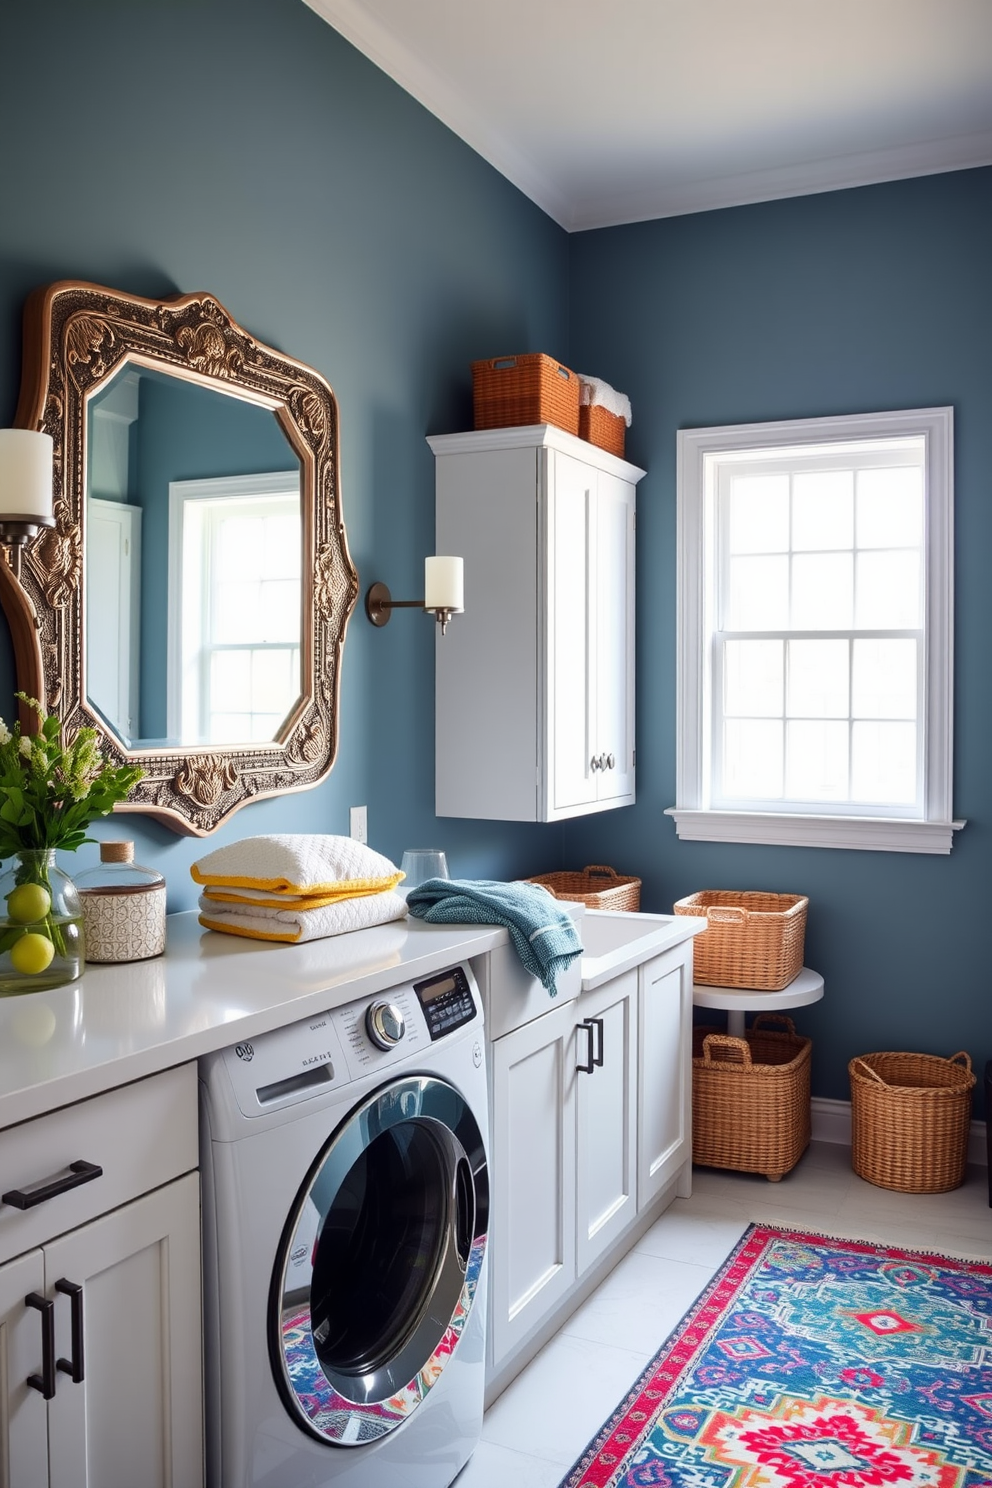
[{"x": 51, "y": 790}]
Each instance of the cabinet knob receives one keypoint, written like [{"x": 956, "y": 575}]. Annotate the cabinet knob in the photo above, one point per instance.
[
  {"x": 594, "y": 763},
  {"x": 610, "y": 762}
]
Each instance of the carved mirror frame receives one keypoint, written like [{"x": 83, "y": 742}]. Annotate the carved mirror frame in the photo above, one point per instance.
[{"x": 76, "y": 336}]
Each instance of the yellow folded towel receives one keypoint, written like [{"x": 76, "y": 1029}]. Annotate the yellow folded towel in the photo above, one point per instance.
[
  {"x": 295, "y": 866},
  {"x": 296, "y": 925}
]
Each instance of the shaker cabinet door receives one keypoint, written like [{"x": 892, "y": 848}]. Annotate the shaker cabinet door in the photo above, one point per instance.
[
  {"x": 23, "y": 1412},
  {"x": 134, "y": 1420},
  {"x": 533, "y": 1168}
]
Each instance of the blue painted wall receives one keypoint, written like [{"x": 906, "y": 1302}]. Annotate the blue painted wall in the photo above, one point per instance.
[
  {"x": 848, "y": 302},
  {"x": 243, "y": 148}
]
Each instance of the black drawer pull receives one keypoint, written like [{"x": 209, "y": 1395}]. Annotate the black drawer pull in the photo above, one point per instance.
[
  {"x": 79, "y": 1172},
  {"x": 73, "y": 1367},
  {"x": 45, "y": 1381}
]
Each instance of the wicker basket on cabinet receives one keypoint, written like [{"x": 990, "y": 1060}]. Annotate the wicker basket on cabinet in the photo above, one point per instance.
[
  {"x": 751, "y": 1097},
  {"x": 910, "y": 1117},
  {"x": 751, "y": 940},
  {"x": 597, "y": 887},
  {"x": 532, "y": 389}
]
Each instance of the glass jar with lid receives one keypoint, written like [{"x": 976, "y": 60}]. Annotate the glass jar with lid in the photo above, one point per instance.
[{"x": 123, "y": 906}]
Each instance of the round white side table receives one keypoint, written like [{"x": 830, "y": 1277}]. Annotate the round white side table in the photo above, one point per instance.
[{"x": 805, "y": 988}]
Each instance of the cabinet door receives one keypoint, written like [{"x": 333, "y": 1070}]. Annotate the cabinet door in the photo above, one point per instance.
[
  {"x": 612, "y": 701},
  {"x": 571, "y": 538},
  {"x": 665, "y": 1074},
  {"x": 533, "y": 1171},
  {"x": 23, "y": 1414},
  {"x": 605, "y": 1116},
  {"x": 135, "y": 1420}
]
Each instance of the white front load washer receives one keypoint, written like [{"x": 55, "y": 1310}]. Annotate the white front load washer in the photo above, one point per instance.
[{"x": 346, "y": 1207}]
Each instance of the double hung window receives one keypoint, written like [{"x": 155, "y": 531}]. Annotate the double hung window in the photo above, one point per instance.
[{"x": 815, "y": 645}]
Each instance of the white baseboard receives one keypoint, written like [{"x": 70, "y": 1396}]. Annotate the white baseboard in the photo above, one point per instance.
[{"x": 832, "y": 1123}]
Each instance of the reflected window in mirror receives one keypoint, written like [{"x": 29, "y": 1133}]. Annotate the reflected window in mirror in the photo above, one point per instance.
[{"x": 234, "y": 630}]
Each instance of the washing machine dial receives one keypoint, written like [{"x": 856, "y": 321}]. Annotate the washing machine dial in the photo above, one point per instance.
[{"x": 384, "y": 1024}]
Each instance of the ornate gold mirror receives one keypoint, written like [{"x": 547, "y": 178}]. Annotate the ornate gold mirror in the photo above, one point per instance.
[{"x": 192, "y": 599}]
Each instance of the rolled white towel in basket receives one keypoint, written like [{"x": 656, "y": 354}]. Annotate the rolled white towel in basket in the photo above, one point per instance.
[{"x": 597, "y": 393}]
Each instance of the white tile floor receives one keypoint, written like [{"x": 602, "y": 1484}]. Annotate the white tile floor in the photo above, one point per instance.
[{"x": 542, "y": 1421}]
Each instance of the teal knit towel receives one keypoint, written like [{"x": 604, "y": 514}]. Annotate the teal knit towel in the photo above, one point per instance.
[{"x": 543, "y": 934}]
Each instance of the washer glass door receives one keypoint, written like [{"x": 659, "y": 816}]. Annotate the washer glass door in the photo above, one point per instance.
[{"x": 379, "y": 1262}]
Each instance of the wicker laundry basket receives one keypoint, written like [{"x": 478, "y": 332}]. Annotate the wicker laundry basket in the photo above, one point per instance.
[
  {"x": 597, "y": 887},
  {"x": 531, "y": 389},
  {"x": 910, "y": 1117},
  {"x": 601, "y": 427},
  {"x": 751, "y": 940},
  {"x": 750, "y": 1097}
]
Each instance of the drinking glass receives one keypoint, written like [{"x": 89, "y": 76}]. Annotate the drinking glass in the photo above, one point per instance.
[{"x": 421, "y": 863}]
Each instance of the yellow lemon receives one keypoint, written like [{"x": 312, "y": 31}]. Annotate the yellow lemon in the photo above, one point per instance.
[
  {"x": 28, "y": 903},
  {"x": 32, "y": 953}
]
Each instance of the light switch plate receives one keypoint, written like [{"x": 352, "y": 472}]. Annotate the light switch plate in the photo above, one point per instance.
[{"x": 359, "y": 823}]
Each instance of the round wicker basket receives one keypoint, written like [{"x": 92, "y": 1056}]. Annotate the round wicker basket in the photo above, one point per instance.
[{"x": 910, "y": 1115}]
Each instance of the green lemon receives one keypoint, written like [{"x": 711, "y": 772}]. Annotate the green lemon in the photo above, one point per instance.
[
  {"x": 32, "y": 953},
  {"x": 28, "y": 903}
]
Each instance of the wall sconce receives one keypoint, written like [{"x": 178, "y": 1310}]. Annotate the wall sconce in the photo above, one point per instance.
[
  {"x": 25, "y": 490},
  {"x": 444, "y": 594}
]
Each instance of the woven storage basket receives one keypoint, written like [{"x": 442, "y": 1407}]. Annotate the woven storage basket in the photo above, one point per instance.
[
  {"x": 751, "y": 939},
  {"x": 601, "y": 427},
  {"x": 750, "y": 1098},
  {"x": 532, "y": 389},
  {"x": 597, "y": 887},
  {"x": 910, "y": 1115}
]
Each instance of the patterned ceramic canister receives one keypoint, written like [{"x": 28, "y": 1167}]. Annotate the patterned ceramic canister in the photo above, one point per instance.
[{"x": 123, "y": 907}]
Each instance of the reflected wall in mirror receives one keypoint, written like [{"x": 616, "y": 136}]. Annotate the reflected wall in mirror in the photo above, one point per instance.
[{"x": 192, "y": 600}]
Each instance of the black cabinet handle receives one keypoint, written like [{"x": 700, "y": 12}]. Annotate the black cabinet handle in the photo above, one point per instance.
[
  {"x": 45, "y": 1381},
  {"x": 594, "y": 1028},
  {"x": 79, "y": 1172},
  {"x": 73, "y": 1367}
]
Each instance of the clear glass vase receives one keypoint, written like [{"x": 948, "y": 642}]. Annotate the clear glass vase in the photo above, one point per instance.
[{"x": 41, "y": 924}]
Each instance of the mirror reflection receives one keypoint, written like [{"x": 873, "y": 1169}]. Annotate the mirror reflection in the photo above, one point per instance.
[{"x": 193, "y": 563}]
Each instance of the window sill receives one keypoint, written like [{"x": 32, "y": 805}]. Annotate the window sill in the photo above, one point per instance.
[{"x": 864, "y": 833}]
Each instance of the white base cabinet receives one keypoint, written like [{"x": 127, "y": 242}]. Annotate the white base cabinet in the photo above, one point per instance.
[
  {"x": 100, "y": 1321},
  {"x": 591, "y": 1124},
  {"x": 535, "y": 681}
]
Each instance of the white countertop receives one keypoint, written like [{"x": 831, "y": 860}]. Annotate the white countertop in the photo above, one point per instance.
[{"x": 119, "y": 1023}]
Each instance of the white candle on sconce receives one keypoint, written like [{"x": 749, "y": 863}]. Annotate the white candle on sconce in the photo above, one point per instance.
[
  {"x": 26, "y": 458},
  {"x": 444, "y": 584}
]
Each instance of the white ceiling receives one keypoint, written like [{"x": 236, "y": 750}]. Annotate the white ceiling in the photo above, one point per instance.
[{"x": 609, "y": 111}]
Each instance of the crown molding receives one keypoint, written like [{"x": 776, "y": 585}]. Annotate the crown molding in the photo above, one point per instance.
[{"x": 801, "y": 178}]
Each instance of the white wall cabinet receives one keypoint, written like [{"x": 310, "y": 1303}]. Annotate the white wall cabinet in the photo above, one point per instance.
[
  {"x": 535, "y": 681},
  {"x": 591, "y": 1125},
  {"x": 100, "y": 1331}
]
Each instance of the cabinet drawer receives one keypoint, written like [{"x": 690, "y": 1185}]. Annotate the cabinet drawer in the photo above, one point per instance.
[{"x": 141, "y": 1135}]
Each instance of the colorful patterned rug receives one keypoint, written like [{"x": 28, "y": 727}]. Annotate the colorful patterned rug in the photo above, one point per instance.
[{"x": 813, "y": 1363}]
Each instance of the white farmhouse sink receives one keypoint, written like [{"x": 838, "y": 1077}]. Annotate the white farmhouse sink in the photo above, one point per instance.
[{"x": 616, "y": 942}]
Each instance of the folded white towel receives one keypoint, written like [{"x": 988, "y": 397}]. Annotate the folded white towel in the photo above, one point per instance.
[
  {"x": 309, "y": 864},
  {"x": 298, "y": 925},
  {"x": 596, "y": 392}
]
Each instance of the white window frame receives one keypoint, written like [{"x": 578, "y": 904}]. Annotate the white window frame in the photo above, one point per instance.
[
  {"x": 182, "y": 494},
  {"x": 694, "y": 819}
]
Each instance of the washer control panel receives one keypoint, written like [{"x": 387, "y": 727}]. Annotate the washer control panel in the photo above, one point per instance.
[{"x": 446, "y": 1000}]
